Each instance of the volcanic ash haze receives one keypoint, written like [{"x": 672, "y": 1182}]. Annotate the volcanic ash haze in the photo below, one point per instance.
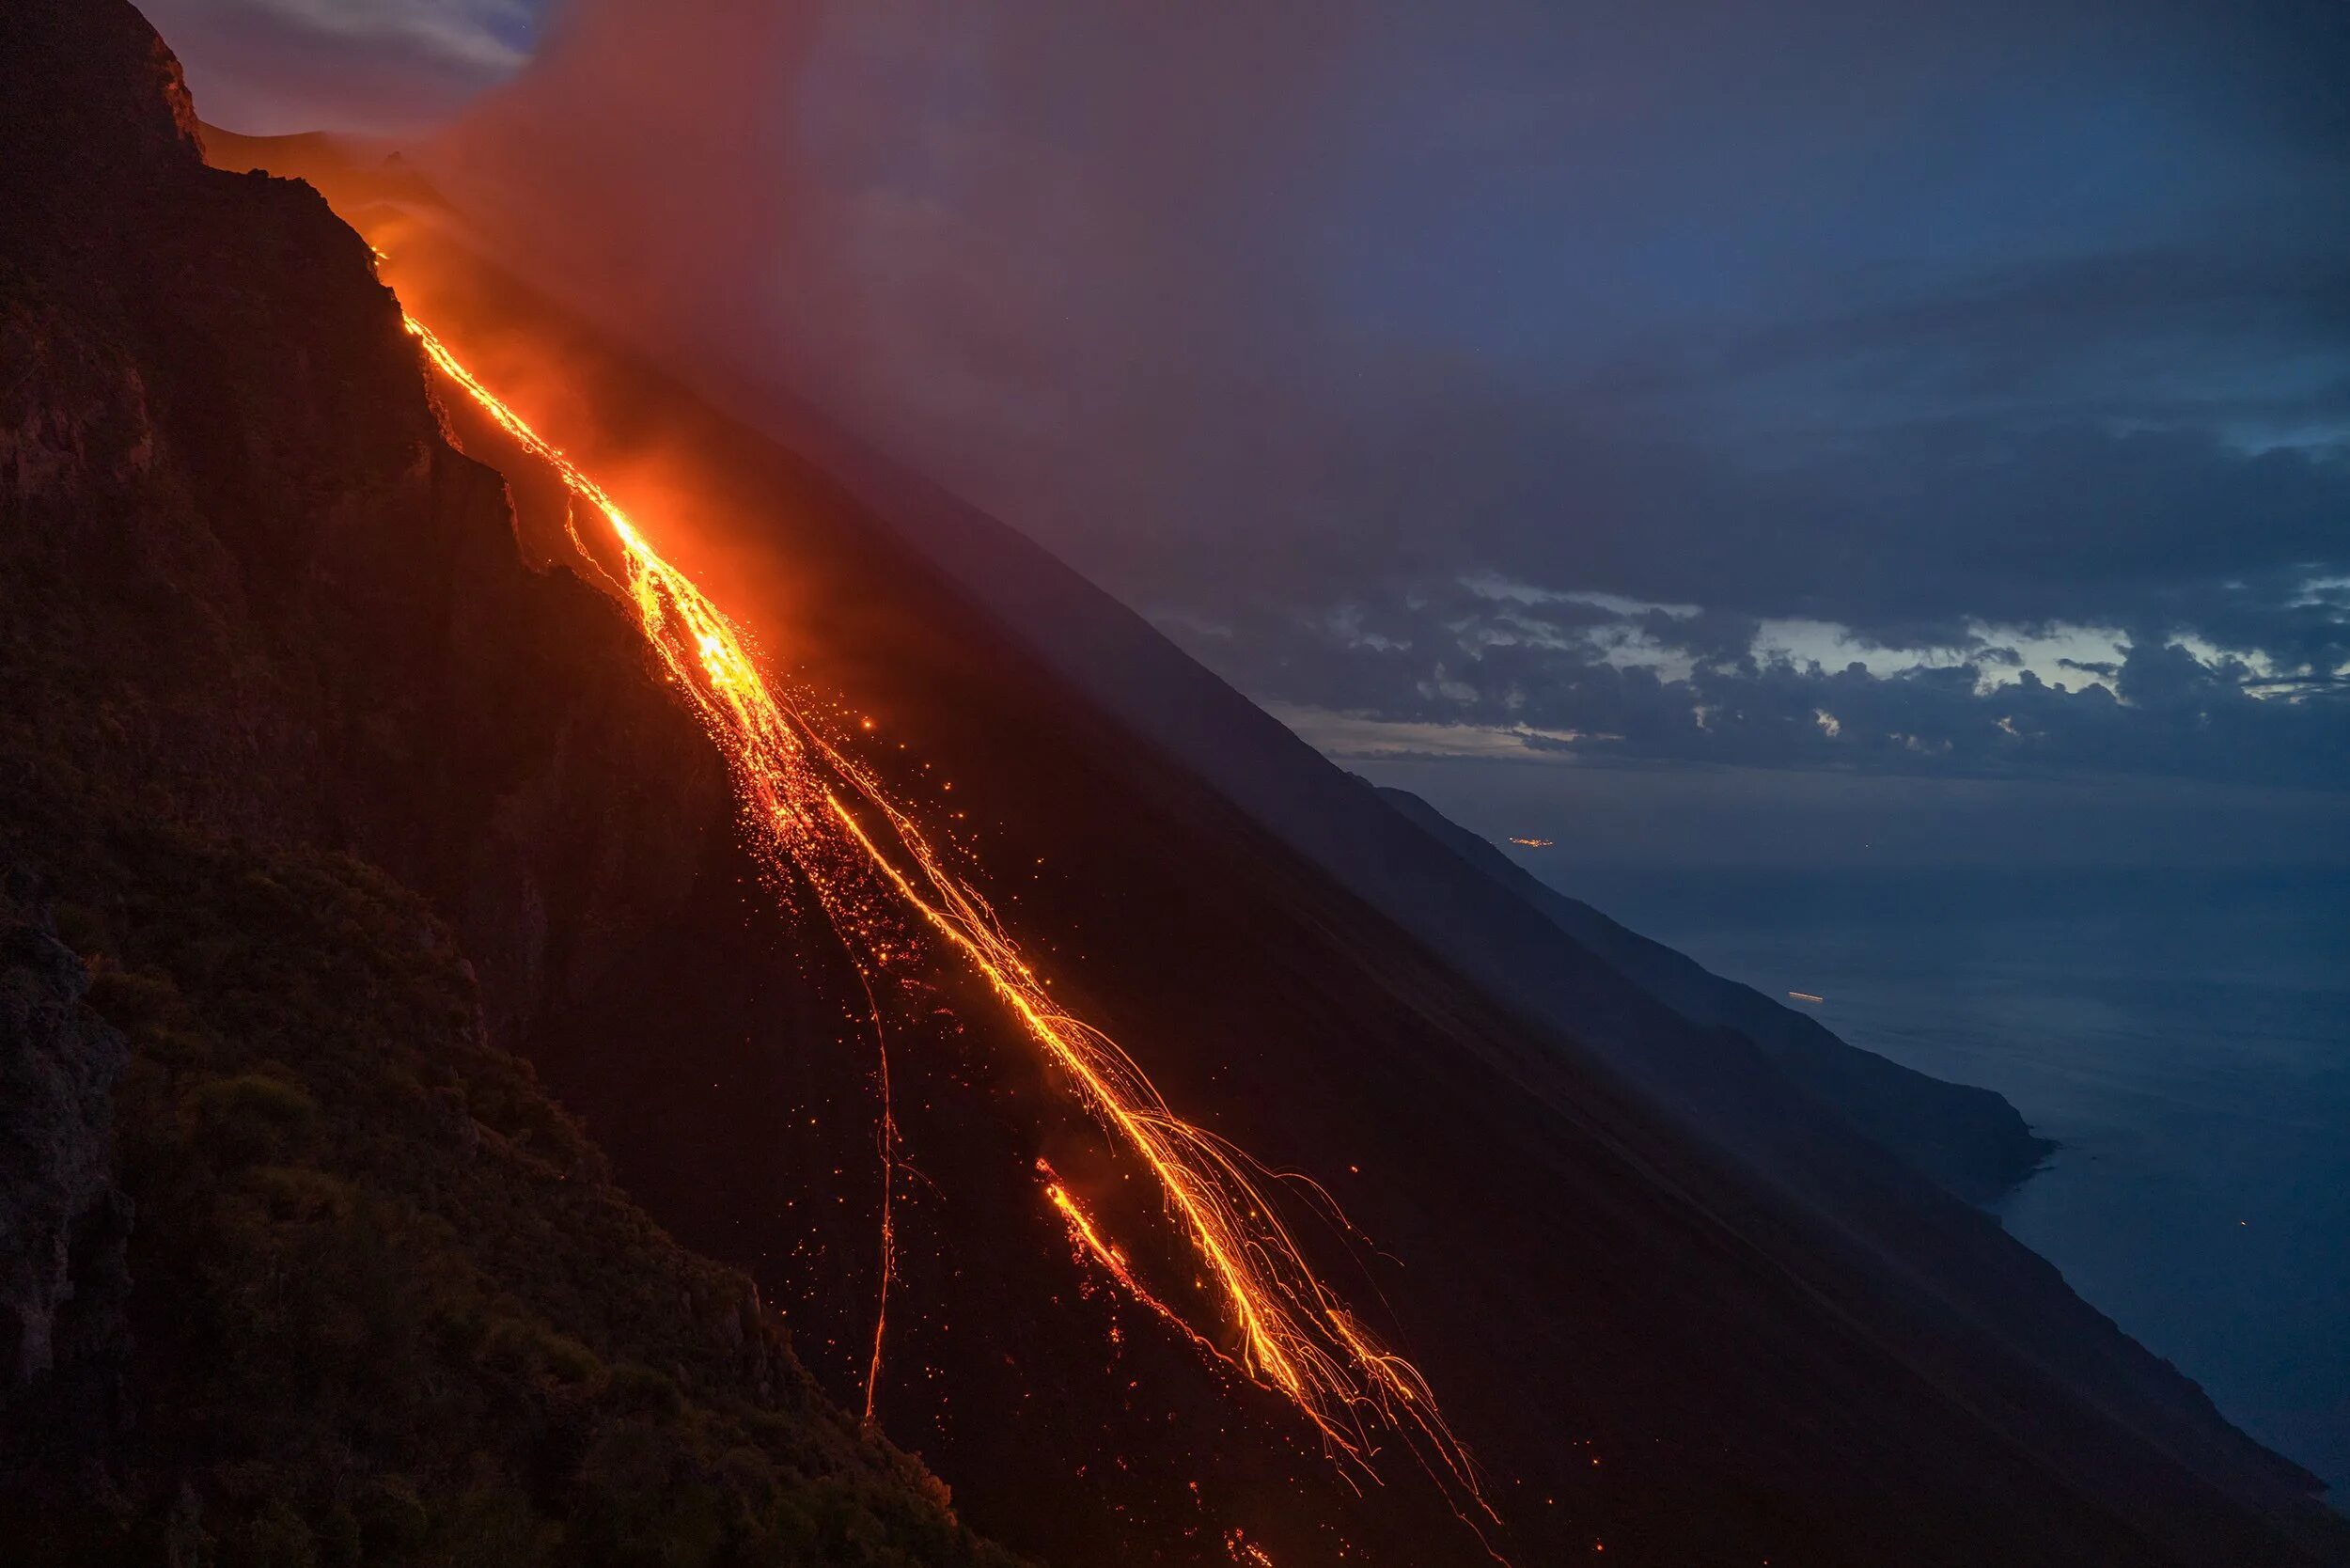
[{"x": 959, "y": 234}]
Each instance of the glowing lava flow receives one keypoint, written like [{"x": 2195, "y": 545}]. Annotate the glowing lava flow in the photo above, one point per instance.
[
  {"x": 817, "y": 809},
  {"x": 1113, "y": 1262},
  {"x": 1247, "y": 1552},
  {"x": 886, "y": 1136}
]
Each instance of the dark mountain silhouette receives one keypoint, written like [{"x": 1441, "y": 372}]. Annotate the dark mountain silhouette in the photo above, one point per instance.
[
  {"x": 262, "y": 611},
  {"x": 1901, "y": 1110}
]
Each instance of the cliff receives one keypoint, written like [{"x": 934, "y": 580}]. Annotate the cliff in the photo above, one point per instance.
[{"x": 296, "y": 1264}]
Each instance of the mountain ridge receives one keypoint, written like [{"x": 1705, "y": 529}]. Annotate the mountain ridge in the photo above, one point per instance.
[{"x": 1889, "y": 1102}]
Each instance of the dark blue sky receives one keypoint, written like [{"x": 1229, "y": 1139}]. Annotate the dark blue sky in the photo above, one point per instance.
[{"x": 1933, "y": 394}]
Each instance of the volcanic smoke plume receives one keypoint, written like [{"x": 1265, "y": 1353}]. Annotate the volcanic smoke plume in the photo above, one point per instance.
[{"x": 1048, "y": 254}]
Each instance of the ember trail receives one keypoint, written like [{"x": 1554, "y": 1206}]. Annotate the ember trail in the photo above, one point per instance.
[{"x": 814, "y": 808}]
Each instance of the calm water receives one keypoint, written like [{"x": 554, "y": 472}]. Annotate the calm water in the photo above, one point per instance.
[{"x": 2185, "y": 1035}]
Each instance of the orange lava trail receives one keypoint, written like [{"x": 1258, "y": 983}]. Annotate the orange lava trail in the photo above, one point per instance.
[
  {"x": 798, "y": 790},
  {"x": 1088, "y": 1239},
  {"x": 887, "y": 1137},
  {"x": 1247, "y": 1552}
]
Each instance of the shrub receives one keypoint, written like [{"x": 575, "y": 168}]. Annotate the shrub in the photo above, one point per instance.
[
  {"x": 371, "y": 1331},
  {"x": 636, "y": 1390},
  {"x": 250, "y": 1117}
]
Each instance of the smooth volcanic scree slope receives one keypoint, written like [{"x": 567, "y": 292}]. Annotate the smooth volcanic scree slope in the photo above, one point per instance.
[
  {"x": 1643, "y": 1342},
  {"x": 804, "y": 796},
  {"x": 863, "y": 614}
]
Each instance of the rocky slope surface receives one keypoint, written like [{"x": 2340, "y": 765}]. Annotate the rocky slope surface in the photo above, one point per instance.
[{"x": 63, "y": 1219}]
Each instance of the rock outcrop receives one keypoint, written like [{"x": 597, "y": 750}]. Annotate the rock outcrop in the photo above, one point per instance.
[{"x": 64, "y": 1221}]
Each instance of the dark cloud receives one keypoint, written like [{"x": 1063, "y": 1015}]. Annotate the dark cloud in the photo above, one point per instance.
[
  {"x": 1907, "y": 533},
  {"x": 2251, "y": 327},
  {"x": 1957, "y": 328},
  {"x": 267, "y": 67},
  {"x": 2161, "y": 709}
]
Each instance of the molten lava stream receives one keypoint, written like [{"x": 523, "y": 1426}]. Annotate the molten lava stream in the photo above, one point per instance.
[{"x": 816, "y": 810}]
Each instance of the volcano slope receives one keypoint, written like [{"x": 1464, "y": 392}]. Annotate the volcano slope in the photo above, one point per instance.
[
  {"x": 253, "y": 587},
  {"x": 1957, "y": 1284}
]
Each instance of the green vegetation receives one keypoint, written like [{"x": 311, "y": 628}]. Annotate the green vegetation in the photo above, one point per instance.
[{"x": 388, "y": 1307}]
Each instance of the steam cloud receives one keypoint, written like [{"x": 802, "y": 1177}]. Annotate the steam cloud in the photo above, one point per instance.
[
  {"x": 1289, "y": 322},
  {"x": 1022, "y": 249}
]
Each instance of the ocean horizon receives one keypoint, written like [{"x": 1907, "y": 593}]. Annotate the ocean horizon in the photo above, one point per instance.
[{"x": 2183, "y": 1034}]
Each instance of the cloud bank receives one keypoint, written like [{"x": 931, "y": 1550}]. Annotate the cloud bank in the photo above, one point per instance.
[
  {"x": 1947, "y": 388},
  {"x": 271, "y": 67}
]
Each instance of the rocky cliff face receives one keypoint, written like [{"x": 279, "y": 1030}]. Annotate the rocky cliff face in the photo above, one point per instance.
[
  {"x": 260, "y": 592},
  {"x": 379, "y": 1302},
  {"x": 63, "y": 1219}
]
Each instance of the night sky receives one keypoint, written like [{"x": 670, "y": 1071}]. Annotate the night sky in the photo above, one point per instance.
[{"x": 1936, "y": 416}]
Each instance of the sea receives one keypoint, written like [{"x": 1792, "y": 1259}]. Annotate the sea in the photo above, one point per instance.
[{"x": 2183, "y": 1035}]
